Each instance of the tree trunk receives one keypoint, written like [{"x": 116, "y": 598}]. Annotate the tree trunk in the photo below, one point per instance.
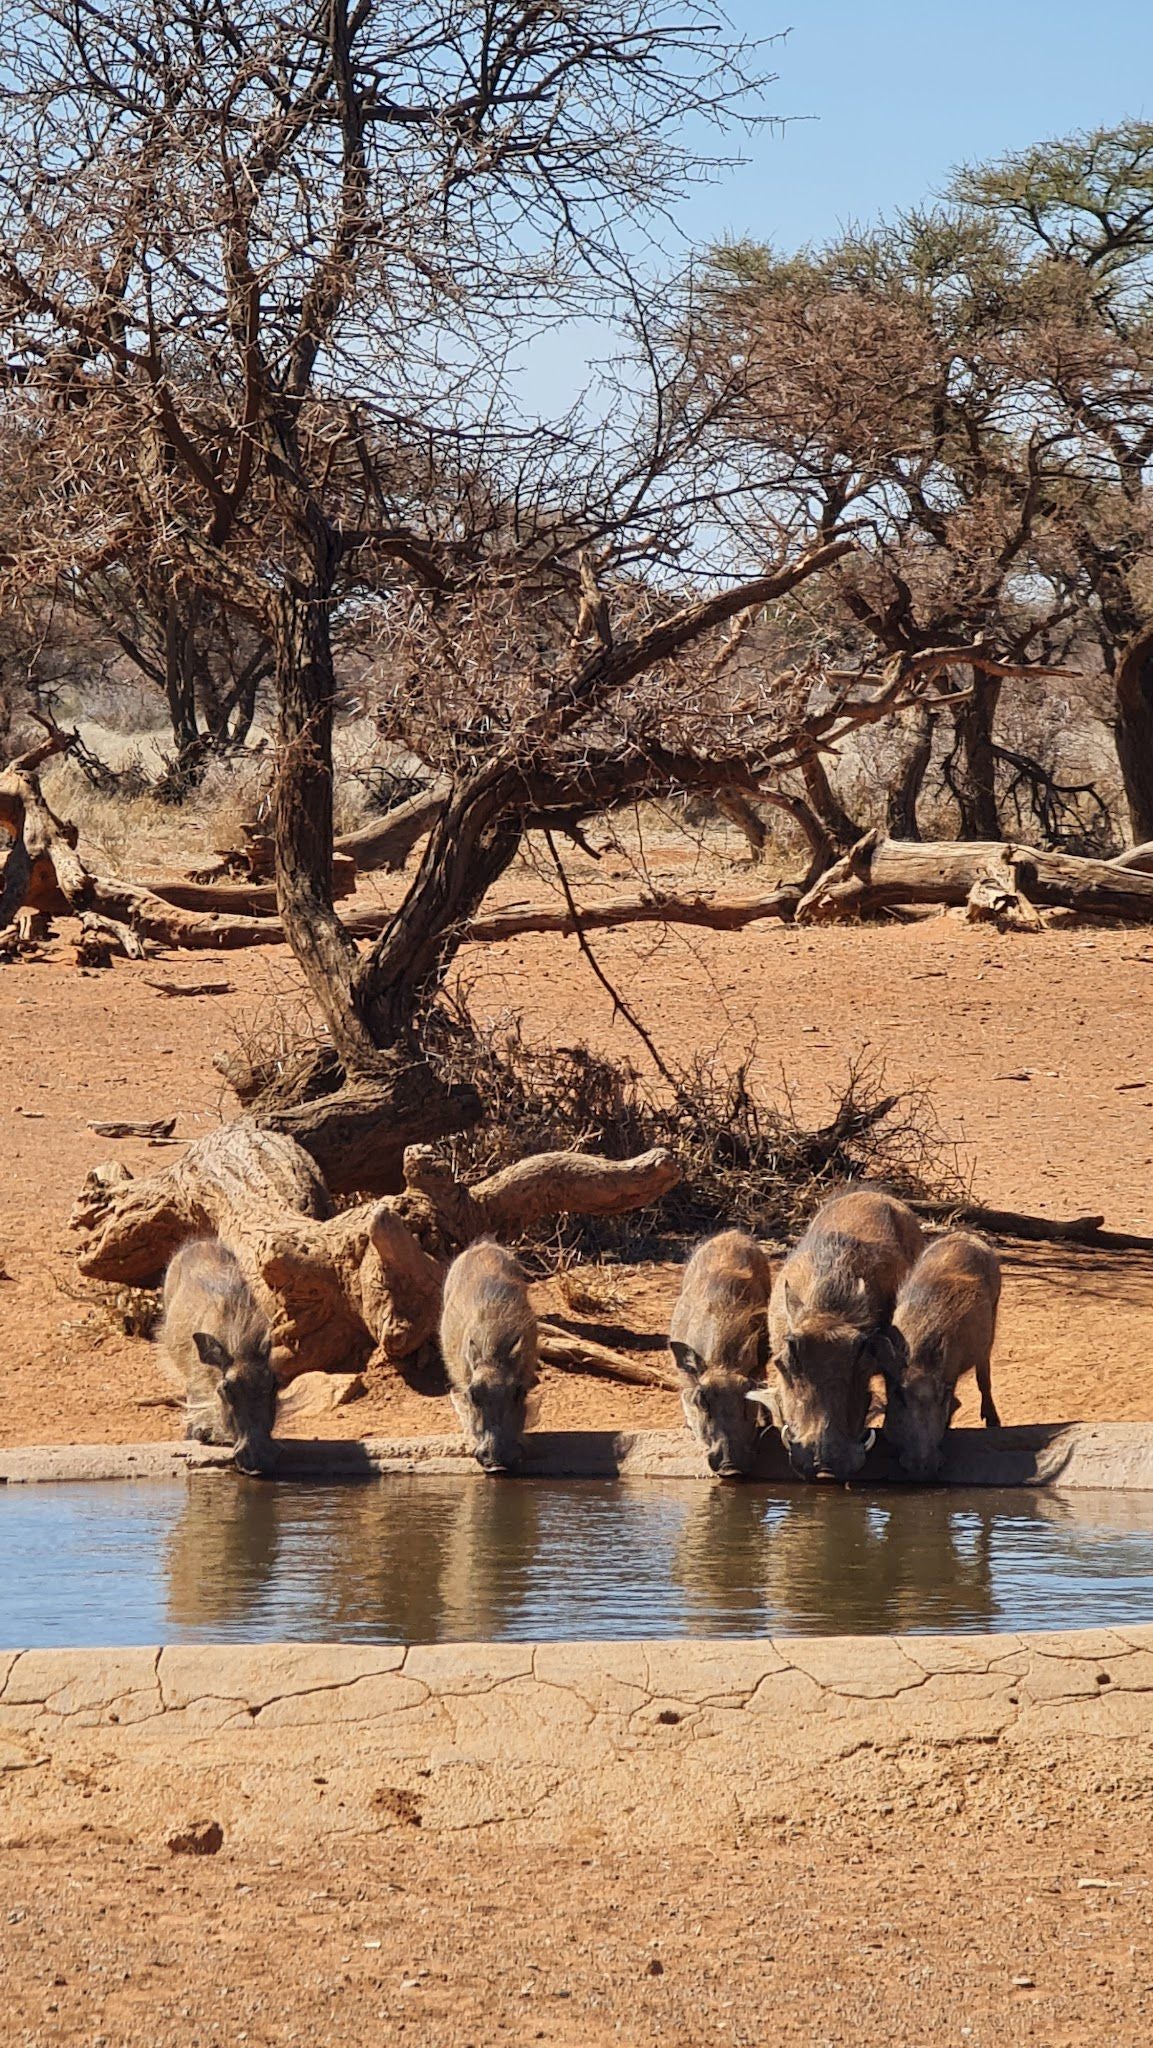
[
  {"x": 975, "y": 785},
  {"x": 179, "y": 681},
  {"x": 1133, "y": 731},
  {"x": 303, "y": 837},
  {"x": 473, "y": 840},
  {"x": 904, "y": 794},
  {"x": 825, "y": 801}
]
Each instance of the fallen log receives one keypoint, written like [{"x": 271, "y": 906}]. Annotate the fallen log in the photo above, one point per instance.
[
  {"x": 880, "y": 874},
  {"x": 46, "y": 873},
  {"x": 571, "y": 1353},
  {"x": 388, "y": 841},
  {"x": 337, "y": 1288},
  {"x": 238, "y": 899},
  {"x": 190, "y": 988},
  {"x": 117, "y": 1127},
  {"x": 715, "y": 913},
  {"x": 1086, "y": 1231}
]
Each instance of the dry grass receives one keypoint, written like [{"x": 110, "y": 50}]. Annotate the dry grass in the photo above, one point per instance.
[{"x": 129, "y": 829}]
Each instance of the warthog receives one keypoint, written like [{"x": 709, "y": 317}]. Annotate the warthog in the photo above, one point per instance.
[
  {"x": 719, "y": 1338},
  {"x": 828, "y": 1328},
  {"x": 944, "y": 1324},
  {"x": 216, "y": 1344},
  {"x": 488, "y": 1340}
]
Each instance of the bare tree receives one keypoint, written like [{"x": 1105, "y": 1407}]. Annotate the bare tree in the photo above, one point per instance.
[
  {"x": 885, "y": 382},
  {"x": 268, "y": 267},
  {"x": 1075, "y": 218}
]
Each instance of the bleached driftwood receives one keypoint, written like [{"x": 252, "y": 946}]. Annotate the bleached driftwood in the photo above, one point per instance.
[{"x": 338, "y": 1287}]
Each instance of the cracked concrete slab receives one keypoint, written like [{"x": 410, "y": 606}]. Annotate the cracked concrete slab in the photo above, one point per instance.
[{"x": 683, "y": 1741}]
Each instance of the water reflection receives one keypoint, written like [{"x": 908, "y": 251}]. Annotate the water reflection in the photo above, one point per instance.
[
  {"x": 398, "y": 1561},
  {"x": 223, "y": 1554},
  {"x": 834, "y": 1561},
  {"x": 436, "y": 1559}
]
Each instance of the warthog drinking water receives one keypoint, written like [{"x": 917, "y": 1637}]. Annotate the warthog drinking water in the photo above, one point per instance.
[
  {"x": 216, "y": 1344},
  {"x": 488, "y": 1340},
  {"x": 944, "y": 1324},
  {"x": 720, "y": 1340},
  {"x": 829, "y": 1328}
]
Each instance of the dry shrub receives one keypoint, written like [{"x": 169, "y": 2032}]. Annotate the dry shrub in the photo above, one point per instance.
[
  {"x": 590, "y": 1291},
  {"x": 747, "y": 1161}
]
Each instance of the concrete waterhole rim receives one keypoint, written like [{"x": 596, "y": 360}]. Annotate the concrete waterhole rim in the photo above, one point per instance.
[{"x": 1072, "y": 1456}]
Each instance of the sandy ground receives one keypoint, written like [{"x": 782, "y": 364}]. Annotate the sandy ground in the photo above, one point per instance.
[
  {"x": 888, "y": 1936},
  {"x": 901, "y": 1927}
]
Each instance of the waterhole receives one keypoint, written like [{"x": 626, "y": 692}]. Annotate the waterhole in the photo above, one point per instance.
[{"x": 215, "y": 1558}]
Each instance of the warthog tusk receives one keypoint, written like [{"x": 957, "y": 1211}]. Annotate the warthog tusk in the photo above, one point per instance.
[{"x": 868, "y": 1440}]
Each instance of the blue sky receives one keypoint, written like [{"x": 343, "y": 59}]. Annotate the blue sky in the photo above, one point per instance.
[
  {"x": 881, "y": 99},
  {"x": 901, "y": 93}
]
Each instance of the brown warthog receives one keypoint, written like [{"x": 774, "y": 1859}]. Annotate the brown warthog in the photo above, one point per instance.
[
  {"x": 216, "y": 1344},
  {"x": 719, "y": 1337},
  {"x": 944, "y": 1324},
  {"x": 488, "y": 1340},
  {"x": 829, "y": 1327}
]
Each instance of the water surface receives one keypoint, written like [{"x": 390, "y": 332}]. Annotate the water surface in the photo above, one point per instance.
[{"x": 215, "y": 1558}]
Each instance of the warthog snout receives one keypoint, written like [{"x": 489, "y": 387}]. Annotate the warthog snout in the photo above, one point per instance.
[
  {"x": 829, "y": 1456},
  {"x": 255, "y": 1457},
  {"x": 917, "y": 1418},
  {"x": 494, "y": 1412},
  {"x": 724, "y": 1465},
  {"x": 498, "y": 1454}
]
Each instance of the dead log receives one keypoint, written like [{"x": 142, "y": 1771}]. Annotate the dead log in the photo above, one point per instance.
[
  {"x": 238, "y": 899},
  {"x": 102, "y": 937},
  {"x": 572, "y": 1353},
  {"x": 161, "y": 1129},
  {"x": 715, "y": 913},
  {"x": 881, "y": 874},
  {"x": 1079, "y": 1230},
  {"x": 45, "y": 872},
  {"x": 190, "y": 988},
  {"x": 388, "y": 841},
  {"x": 993, "y": 900},
  {"x": 337, "y": 1287},
  {"x": 359, "y": 1132},
  {"x": 1139, "y": 858},
  {"x": 555, "y": 1183}
]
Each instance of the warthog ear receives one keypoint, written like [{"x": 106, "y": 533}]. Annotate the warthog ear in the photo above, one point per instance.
[
  {"x": 687, "y": 1359},
  {"x": 794, "y": 1306},
  {"x": 761, "y": 1398},
  {"x": 885, "y": 1351},
  {"x": 211, "y": 1350}
]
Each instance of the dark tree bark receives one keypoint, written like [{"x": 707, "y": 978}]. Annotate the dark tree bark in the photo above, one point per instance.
[
  {"x": 1133, "y": 730},
  {"x": 303, "y": 837},
  {"x": 972, "y": 774},
  {"x": 905, "y": 793},
  {"x": 825, "y": 802}
]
